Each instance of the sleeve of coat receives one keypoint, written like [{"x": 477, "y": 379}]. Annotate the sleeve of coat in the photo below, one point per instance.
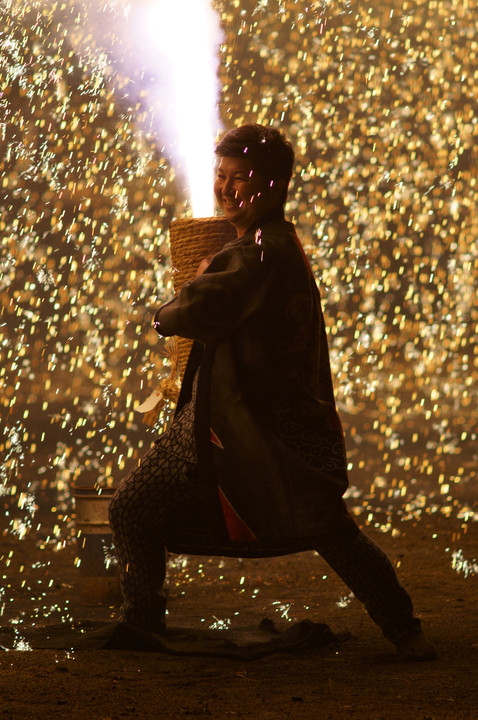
[{"x": 211, "y": 306}]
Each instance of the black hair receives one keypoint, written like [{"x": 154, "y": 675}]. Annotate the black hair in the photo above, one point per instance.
[{"x": 270, "y": 154}]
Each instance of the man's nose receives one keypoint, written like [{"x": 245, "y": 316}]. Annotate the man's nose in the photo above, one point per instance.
[{"x": 228, "y": 187}]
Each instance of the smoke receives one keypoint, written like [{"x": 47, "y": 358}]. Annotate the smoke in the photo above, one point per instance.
[
  {"x": 176, "y": 42},
  {"x": 162, "y": 58}
]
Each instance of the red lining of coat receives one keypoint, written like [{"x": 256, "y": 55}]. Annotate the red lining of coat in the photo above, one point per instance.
[{"x": 236, "y": 528}]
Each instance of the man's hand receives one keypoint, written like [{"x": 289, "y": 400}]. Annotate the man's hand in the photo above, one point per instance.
[{"x": 202, "y": 266}]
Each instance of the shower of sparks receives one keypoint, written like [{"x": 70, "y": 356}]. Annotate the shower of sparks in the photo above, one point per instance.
[
  {"x": 379, "y": 100},
  {"x": 162, "y": 56},
  {"x": 345, "y": 600},
  {"x": 283, "y": 609},
  {"x": 220, "y": 624},
  {"x": 463, "y": 566},
  {"x": 110, "y": 559},
  {"x": 187, "y": 49}
]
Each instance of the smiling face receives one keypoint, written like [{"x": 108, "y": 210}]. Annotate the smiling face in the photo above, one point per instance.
[{"x": 242, "y": 194}]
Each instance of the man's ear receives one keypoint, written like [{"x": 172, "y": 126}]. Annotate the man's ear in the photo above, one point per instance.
[{"x": 278, "y": 189}]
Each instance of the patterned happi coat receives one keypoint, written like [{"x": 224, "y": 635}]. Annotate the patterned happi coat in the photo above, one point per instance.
[{"x": 271, "y": 456}]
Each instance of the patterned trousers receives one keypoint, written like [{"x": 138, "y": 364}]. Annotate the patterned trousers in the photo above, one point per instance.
[{"x": 161, "y": 491}]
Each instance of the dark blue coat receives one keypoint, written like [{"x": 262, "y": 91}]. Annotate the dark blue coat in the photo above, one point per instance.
[{"x": 276, "y": 457}]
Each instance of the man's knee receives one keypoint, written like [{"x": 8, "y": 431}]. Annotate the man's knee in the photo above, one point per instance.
[{"x": 116, "y": 509}]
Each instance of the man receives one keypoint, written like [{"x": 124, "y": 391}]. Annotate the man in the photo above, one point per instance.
[{"x": 254, "y": 462}]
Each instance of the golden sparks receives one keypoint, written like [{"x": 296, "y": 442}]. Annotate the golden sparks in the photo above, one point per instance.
[{"x": 379, "y": 100}]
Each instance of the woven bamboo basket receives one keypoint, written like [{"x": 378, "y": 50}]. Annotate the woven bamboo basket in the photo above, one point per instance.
[{"x": 191, "y": 240}]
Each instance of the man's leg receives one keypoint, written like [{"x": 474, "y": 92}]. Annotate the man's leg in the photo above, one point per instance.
[
  {"x": 368, "y": 572},
  {"x": 160, "y": 491}
]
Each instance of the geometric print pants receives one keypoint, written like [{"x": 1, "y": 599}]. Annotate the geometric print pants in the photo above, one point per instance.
[
  {"x": 162, "y": 491},
  {"x": 155, "y": 496}
]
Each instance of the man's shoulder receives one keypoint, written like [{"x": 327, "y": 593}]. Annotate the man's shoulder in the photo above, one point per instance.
[
  {"x": 273, "y": 231},
  {"x": 277, "y": 229}
]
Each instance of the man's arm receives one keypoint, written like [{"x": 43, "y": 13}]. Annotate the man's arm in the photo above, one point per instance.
[{"x": 217, "y": 300}]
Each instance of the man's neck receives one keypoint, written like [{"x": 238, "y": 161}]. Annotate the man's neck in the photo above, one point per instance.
[{"x": 275, "y": 213}]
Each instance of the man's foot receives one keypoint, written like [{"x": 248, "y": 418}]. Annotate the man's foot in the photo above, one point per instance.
[
  {"x": 150, "y": 625},
  {"x": 415, "y": 647}
]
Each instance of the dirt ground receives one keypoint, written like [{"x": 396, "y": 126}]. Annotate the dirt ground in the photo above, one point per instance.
[
  {"x": 430, "y": 536},
  {"x": 357, "y": 678}
]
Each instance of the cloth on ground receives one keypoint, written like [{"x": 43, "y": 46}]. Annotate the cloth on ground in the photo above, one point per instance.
[{"x": 243, "y": 643}]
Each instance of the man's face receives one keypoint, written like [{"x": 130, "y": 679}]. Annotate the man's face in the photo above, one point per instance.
[{"x": 242, "y": 194}]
